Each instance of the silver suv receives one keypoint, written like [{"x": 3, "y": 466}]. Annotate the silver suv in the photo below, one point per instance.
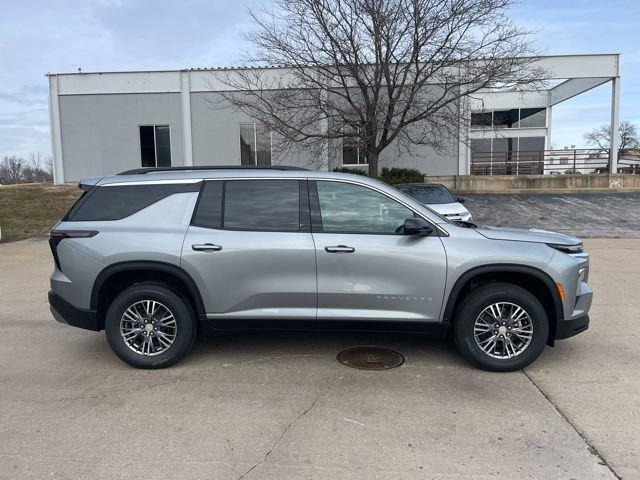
[{"x": 153, "y": 256}]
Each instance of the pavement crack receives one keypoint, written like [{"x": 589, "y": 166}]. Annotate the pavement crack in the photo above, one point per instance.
[
  {"x": 590, "y": 446},
  {"x": 288, "y": 427}
]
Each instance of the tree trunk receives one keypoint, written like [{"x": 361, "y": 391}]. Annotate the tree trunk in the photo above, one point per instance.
[{"x": 372, "y": 159}]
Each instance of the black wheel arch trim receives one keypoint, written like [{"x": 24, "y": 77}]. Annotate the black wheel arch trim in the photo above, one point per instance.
[
  {"x": 153, "y": 265},
  {"x": 500, "y": 268}
]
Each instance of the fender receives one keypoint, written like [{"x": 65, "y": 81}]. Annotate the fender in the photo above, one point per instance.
[
  {"x": 498, "y": 268},
  {"x": 149, "y": 265}
]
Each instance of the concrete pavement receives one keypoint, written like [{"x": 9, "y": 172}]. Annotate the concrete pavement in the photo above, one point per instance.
[{"x": 278, "y": 405}]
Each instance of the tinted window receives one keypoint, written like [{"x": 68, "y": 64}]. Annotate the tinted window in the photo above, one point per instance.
[
  {"x": 209, "y": 211},
  {"x": 481, "y": 119},
  {"x": 429, "y": 194},
  {"x": 155, "y": 145},
  {"x": 505, "y": 118},
  {"x": 533, "y": 117},
  {"x": 255, "y": 144},
  {"x": 114, "y": 203},
  {"x": 270, "y": 205},
  {"x": 355, "y": 209}
]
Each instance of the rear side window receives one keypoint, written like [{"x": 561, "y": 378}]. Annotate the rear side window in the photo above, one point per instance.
[
  {"x": 117, "y": 202},
  {"x": 257, "y": 205},
  {"x": 209, "y": 210},
  {"x": 262, "y": 205}
]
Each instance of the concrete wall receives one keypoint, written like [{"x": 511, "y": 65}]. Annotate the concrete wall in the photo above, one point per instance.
[
  {"x": 100, "y": 133},
  {"x": 536, "y": 183},
  {"x": 100, "y": 136}
]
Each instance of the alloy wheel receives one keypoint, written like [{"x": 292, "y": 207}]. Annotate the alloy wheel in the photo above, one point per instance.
[
  {"x": 503, "y": 330},
  {"x": 148, "y": 327}
]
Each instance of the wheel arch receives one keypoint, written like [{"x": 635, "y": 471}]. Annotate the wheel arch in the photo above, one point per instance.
[
  {"x": 115, "y": 278},
  {"x": 531, "y": 278}
]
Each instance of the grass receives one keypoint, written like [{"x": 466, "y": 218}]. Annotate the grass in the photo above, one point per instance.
[{"x": 31, "y": 210}]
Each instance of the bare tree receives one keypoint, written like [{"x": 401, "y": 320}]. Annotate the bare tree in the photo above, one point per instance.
[
  {"x": 11, "y": 170},
  {"x": 377, "y": 71},
  {"x": 600, "y": 138},
  {"x": 37, "y": 168}
]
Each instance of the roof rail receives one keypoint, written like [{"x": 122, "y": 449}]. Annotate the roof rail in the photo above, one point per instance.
[{"x": 141, "y": 171}]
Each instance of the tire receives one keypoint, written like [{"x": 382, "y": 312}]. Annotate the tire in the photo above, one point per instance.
[
  {"x": 475, "y": 326},
  {"x": 148, "y": 348}
]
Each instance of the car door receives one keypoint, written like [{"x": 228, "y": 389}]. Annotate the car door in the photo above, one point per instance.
[
  {"x": 367, "y": 268},
  {"x": 250, "y": 250}
]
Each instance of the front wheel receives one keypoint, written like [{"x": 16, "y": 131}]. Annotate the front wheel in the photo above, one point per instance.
[
  {"x": 150, "y": 326},
  {"x": 501, "y": 327}
]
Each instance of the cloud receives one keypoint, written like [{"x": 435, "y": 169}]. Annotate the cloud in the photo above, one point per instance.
[{"x": 39, "y": 36}]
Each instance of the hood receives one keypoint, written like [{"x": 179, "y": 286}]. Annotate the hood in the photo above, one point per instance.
[
  {"x": 447, "y": 208},
  {"x": 532, "y": 235}
]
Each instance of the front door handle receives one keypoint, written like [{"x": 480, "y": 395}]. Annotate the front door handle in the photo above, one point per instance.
[
  {"x": 339, "y": 249},
  {"x": 206, "y": 247}
]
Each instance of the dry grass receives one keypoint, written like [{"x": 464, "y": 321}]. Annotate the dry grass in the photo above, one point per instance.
[{"x": 31, "y": 210}]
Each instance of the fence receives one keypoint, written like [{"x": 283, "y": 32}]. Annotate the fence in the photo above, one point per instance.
[{"x": 580, "y": 161}]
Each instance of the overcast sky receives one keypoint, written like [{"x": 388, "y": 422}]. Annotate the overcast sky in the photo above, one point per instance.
[{"x": 37, "y": 37}]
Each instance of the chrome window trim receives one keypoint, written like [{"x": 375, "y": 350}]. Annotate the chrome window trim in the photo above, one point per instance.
[
  {"x": 154, "y": 182},
  {"x": 317, "y": 179}
]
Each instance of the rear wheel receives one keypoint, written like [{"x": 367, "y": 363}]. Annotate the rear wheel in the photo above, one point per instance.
[
  {"x": 150, "y": 326},
  {"x": 501, "y": 327}
]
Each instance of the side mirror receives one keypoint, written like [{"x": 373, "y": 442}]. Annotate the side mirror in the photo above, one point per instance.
[
  {"x": 417, "y": 226},
  {"x": 460, "y": 200}
]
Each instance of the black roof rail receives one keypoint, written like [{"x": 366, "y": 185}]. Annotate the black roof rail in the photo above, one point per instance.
[{"x": 140, "y": 171}]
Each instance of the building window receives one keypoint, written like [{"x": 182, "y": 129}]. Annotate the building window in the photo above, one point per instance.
[
  {"x": 533, "y": 117},
  {"x": 505, "y": 118},
  {"x": 255, "y": 144},
  {"x": 155, "y": 145},
  {"x": 482, "y": 119},
  {"x": 352, "y": 152},
  {"x": 514, "y": 118},
  {"x": 506, "y": 156}
]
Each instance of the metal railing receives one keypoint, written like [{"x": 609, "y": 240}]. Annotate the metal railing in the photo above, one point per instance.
[{"x": 545, "y": 162}]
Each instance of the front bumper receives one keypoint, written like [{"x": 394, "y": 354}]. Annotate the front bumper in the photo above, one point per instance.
[
  {"x": 569, "y": 328},
  {"x": 64, "y": 312}
]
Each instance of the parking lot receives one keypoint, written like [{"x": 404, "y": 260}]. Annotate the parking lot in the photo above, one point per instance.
[
  {"x": 588, "y": 215},
  {"x": 278, "y": 405}
]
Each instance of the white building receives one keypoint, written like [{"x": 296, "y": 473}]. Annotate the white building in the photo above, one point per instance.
[{"x": 106, "y": 122}]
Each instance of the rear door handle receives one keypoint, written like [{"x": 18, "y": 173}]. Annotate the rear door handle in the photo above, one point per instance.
[
  {"x": 206, "y": 247},
  {"x": 339, "y": 249}
]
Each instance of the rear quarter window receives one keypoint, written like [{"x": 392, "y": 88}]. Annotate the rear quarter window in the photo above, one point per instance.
[{"x": 118, "y": 202}]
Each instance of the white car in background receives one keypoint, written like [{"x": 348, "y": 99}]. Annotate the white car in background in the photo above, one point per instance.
[{"x": 438, "y": 198}]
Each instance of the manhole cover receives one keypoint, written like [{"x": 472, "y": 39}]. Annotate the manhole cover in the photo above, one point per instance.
[{"x": 370, "y": 358}]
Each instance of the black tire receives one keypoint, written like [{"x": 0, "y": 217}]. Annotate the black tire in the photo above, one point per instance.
[
  {"x": 474, "y": 304},
  {"x": 185, "y": 332}
]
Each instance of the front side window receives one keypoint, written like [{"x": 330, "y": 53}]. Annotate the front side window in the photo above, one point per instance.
[
  {"x": 255, "y": 144},
  {"x": 155, "y": 145},
  {"x": 348, "y": 208}
]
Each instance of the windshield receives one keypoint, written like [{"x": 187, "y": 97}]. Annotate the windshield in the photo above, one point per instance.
[{"x": 429, "y": 194}]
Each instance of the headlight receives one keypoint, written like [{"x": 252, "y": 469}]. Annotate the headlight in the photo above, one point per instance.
[
  {"x": 581, "y": 273},
  {"x": 577, "y": 248}
]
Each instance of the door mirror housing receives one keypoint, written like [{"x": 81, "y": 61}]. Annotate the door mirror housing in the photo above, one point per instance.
[
  {"x": 460, "y": 200},
  {"x": 417, "y": 226}
]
